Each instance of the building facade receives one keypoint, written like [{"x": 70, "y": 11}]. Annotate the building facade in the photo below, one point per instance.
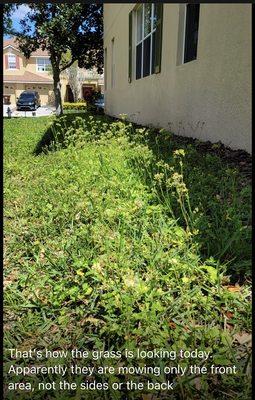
[
  {"x": 182, "y": 67},
  {"x": 33, "y": 74},
  {"x": 25, "y": 74}
]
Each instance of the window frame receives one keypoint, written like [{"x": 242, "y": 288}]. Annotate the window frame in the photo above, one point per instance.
[
  {"x": 113, "y": 68},
  {"x": 15, "y": 57},
  {"x": 137, "y": 43},
  {"x": 44, "y": 64},
  {"x": 105, "y": 70},
  {"x": 184, "y": 35}
]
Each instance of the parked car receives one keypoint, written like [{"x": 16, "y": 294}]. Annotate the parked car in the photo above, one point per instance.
[
  {"x": 28, "y": 100},
  {"x": 99, "y": 103}
]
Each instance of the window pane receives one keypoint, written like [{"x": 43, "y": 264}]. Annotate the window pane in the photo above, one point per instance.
[
  {"x": 191, "y": 34},
  {"x": 43, "y": 64},
  {"x": 139, "y": 24},
  {"x": 12, "y": 61},
  {"x": 105, "y": 68},
  {"x": 155, "y": 15},
  {"x": 153, "y": 53},
  {"x": 113, "y": 64},
  {"x": 147, "y": 19},
  {"x": 138, "y": 61},
  {"x": 146, "y": 56},
  {"x": 130, "y": 47}
]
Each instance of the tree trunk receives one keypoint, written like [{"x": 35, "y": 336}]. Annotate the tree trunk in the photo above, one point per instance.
[
  {"x": 57, "y": 92},
  {"x": 76, "y": 95}
]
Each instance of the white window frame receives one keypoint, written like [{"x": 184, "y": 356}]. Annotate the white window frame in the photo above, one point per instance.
[
  {"x": 44, "y": 66},
  {"x": 152, "y": 30},
  {"x": 12, "y": 55}
]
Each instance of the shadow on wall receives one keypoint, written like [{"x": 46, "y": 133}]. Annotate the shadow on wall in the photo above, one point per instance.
[{"x": 191, "y": 129}]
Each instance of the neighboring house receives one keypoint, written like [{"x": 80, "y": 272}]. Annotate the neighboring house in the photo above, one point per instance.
[
  {"x": 21, "y": 74},
  {"x": 182, "y": 67},
  {"x": 33, "y": 74},
  {"x": 91, "y": 81}
]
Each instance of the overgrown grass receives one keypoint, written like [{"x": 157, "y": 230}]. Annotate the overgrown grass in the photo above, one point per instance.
[{"x": 115, "y": 238}]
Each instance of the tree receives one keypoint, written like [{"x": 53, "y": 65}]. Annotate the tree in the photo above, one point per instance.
[
  {"x": 8, "y": 9},
  {"x": 75, "y": 78},
  {"x": 75, "y": 29}
]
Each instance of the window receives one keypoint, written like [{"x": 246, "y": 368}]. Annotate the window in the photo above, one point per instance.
[
  {"x": 113, "y": 65},
  {"x": 191, "y": 32},
  {"x": 146, "y": 18},
  {"x": 12, "y": 61},
  {"x": 43, "y": 64},
  {"x": 105, "y": 68},
  {"x": 145, "y": 40}
]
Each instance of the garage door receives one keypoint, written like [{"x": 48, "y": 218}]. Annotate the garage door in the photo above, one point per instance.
[{"x": 43, "y": 91}]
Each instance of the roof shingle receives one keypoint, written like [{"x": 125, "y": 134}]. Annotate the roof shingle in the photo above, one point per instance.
[
  {"x": 13, "y": 42},
  {"x": 27, "y": 77}
]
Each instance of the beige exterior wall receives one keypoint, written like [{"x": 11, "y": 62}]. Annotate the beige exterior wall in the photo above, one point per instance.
[
  {"x": 22, "y": 62},
  {"x": 31, "y": 66},
  {"x": 9, "y": 89},
  {"x": 208, "y": 98}
]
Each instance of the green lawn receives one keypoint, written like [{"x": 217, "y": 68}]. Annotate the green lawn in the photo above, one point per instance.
[{"x": 117, "y": 238}]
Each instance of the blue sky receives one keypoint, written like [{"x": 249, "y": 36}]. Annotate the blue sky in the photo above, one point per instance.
[{"x": 18, "y": 15}]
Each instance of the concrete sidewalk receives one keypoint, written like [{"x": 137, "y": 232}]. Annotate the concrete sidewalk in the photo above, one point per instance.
[{"x": 40, "y": 112}]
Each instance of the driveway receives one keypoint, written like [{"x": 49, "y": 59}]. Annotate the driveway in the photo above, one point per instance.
[{"x": 40, "y": 112}]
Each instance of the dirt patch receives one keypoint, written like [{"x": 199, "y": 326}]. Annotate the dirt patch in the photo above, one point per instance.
[{"x": 239, "y": 159}]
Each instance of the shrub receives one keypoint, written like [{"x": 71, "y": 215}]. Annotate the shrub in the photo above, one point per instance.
[{"x": 75, "y": 106}]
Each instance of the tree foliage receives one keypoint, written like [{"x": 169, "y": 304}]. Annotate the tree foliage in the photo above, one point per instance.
[{"x": 8, "y": 9}]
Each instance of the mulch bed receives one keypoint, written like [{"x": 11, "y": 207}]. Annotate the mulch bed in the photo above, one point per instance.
[{"x": 239, "y": 159}]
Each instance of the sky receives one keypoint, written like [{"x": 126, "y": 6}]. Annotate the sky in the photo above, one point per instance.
[{"x": 18, "y": 15}]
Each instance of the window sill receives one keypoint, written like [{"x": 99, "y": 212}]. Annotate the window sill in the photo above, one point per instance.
[
  {"x": 147, "y": 76},
  {"x": 187, "y": 63}
]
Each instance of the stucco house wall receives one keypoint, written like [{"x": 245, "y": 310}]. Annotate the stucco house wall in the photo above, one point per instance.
[{"x": 208, "y": 98}]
